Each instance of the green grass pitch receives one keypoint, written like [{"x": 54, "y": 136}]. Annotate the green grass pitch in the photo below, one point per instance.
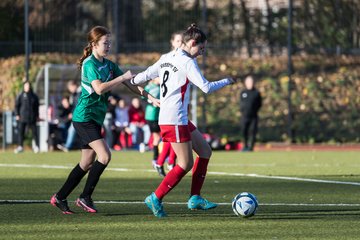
[{"x": 292, "y": 206}]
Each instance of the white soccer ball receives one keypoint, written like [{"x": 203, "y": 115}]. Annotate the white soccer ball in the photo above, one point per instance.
[{"x": 245, "y": 204}]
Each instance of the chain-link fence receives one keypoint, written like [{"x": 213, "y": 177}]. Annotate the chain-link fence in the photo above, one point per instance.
[{"x": 234, "y": 26}]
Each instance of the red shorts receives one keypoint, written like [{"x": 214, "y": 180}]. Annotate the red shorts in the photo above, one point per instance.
[{"x": 177, "y": 133}]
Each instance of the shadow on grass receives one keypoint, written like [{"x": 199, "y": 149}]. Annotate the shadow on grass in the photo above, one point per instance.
[{"x": 133, "y": 190}]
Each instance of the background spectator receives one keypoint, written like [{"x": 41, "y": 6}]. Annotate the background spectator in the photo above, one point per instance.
[
  {"x": 109, "y": 119},
  {"x": 64, "y": 116},
  {"x": 53, "y": 139},
  {"x": 139, "y": 129},
  {"x": 250, "y": 103},
  {"x": 121, "y": 124},
  {"x": 75, "y": 92},
  {"x": 27, "y": 114}
]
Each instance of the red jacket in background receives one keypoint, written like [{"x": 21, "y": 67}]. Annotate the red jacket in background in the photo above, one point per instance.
[{"x": 136, "y": 115}]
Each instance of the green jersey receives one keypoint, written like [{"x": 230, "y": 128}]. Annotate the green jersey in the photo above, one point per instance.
[
  {"x": 92, "y": 106},
  {"x": 152, "y": 112}
]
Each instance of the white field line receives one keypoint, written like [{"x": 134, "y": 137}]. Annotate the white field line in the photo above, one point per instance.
[
  {"x": 184, "y": 203},
  {"x": 210, "y": 173},
  {"x": 243, "y": 164},
  {"x": 284, "y": 178}
]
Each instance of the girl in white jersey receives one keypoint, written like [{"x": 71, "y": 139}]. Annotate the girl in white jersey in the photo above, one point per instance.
[
  {"x": 167, "y": 151},
  {"x": 177, "y": 69}
]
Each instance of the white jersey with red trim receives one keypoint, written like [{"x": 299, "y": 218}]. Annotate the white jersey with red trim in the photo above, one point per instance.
[{"x": 177, "y": 70}]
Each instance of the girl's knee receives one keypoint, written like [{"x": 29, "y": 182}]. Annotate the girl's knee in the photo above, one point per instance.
[
  {"x": 85, "y": 166},
  {"x": 209, "y": 152},
  {"x": 186, "y": 166},
  {"x": 105, "y": 159},
  {"x": 189, "y": 166},
  {"x": 206, "y": 153}
]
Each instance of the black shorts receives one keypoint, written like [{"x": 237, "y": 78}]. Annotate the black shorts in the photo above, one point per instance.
[
  {"x": 88, "y": 132},
  {"x": 154, "y": 126}
]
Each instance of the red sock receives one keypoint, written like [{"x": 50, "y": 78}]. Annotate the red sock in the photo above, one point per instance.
[
  {"x": 164, "y": 153},
  {"x": 198, "y": 175},
  {"x": 170, "y": 181},
  {"x": 172, "y": 156}
]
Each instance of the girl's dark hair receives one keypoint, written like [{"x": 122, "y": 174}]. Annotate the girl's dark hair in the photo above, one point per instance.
[
  {"x": 93, "y": 37},
  {"x": 195, "y": 33}
]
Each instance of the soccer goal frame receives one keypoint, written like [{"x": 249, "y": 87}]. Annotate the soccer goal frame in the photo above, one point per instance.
[{"x": 50, "y": 85}]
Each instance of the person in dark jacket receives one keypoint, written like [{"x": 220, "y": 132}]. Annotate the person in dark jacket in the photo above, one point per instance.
[
  {"x": 27, "y": 114},
  {"x": 250, "y": 104},
  {"x": 64, "y": 117},
  {"x": 75, "y": 92}
]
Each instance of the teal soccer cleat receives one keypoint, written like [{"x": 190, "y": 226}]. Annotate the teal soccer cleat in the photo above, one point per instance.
[
  {"x": 155, "y": 205},
  {"x": 197, "y": 202}
]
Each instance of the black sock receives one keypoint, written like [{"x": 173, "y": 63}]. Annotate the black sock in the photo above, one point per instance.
[
  {"x": 93, "y": 178},
  {"x": 71, "y": 182},
  {"x": 156, "y": 152}
]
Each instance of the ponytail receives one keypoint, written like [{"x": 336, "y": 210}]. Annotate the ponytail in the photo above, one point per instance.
[
  {"x": 192, "y": 26},
  {"x": 93, "y": 37},
  {"x": 87, "y": 52},
  {"x": 195, "y": 33}
]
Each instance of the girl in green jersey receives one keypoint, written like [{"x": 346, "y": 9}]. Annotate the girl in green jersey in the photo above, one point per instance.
[{"x": 98, "y": 76}]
